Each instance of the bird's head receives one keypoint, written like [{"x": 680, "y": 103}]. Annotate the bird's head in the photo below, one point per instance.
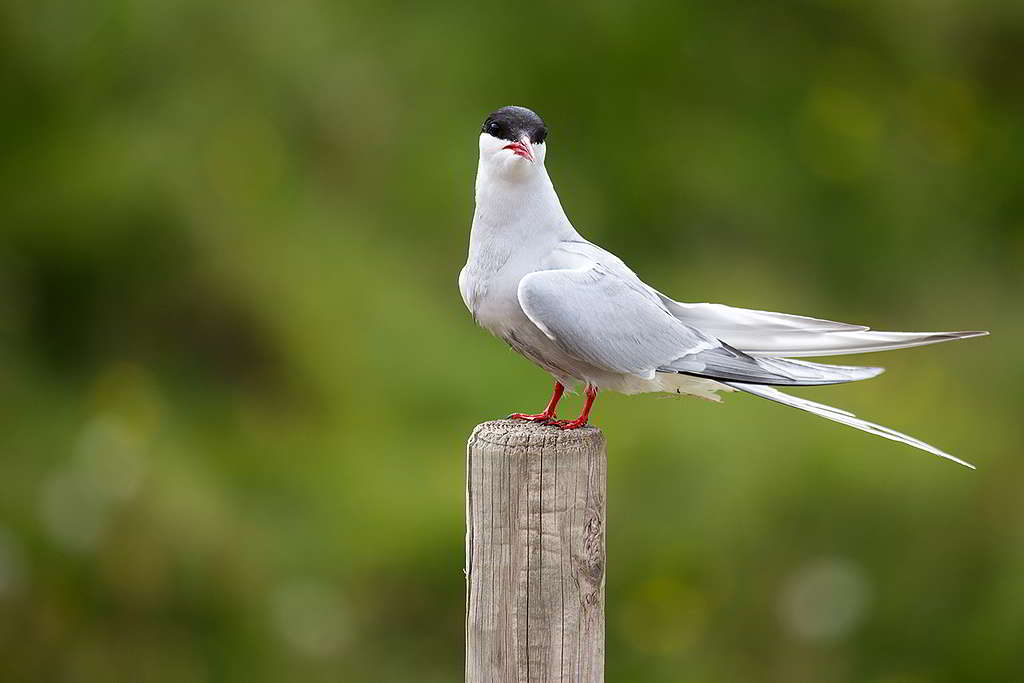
[{"x": 512, "y": 143}]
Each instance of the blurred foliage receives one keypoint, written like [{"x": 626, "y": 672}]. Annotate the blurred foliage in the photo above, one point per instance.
[{"x": 236, "y": 376}]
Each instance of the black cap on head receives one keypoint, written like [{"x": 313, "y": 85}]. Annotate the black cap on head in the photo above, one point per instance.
[{"x": 511, "y": 123}]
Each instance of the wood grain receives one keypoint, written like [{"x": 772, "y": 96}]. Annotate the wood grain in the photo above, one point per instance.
[{"x": 535, "y": 554}]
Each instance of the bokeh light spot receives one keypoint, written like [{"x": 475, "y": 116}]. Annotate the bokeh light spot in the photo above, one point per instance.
[{"x": 824, "y": 600}]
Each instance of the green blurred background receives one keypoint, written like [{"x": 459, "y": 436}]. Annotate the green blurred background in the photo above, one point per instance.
[{"x": 236, "y": 376}]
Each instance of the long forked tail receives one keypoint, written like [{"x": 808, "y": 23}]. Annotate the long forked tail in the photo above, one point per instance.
[{"x": 841, "y": 416}]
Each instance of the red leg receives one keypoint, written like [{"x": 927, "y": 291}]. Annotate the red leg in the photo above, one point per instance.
[
  {"x": 549, "y": 412},
  {"x": 580, "y": 421}
]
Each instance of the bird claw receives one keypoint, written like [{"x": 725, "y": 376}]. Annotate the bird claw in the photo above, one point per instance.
[
  {"x": 542, "y": 418},
  {"x": 567, "y": 424}
]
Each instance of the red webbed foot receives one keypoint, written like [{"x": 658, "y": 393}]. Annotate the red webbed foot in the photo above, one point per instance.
[
  {"x": 569, "y": 424},
  {"x": 580, "y": 421},
  {"x": 539, "y": 417},
  {"x": 549, "y": 412}
]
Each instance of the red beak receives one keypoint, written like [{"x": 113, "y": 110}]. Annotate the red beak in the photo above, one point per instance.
[{"x": 521, "y": 148}]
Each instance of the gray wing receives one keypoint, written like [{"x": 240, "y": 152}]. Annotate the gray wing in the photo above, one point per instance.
[
  {"x": 764, "y": 333},
  {"x": 614, "y": 321},
  {"x": 607, "y": 320}
]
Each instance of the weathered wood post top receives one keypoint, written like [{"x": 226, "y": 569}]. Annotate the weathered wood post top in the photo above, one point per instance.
[{"x": 535, "y": 553}]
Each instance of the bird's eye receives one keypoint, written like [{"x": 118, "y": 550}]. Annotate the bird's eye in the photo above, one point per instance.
[
  {"x": 493, "y": 127},
  {"x": 540, "y": 135}
]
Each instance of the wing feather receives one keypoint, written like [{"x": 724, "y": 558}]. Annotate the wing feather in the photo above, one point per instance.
[
  {"x": 615, "y": 322},
  {"x": 606, "y": 320},
  {"x": 763, "y": 333}
]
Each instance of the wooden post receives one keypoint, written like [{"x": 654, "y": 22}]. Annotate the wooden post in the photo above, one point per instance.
[{"x": 535, "y": 554}]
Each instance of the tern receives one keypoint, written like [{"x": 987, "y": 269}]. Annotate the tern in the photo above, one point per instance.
[{"x": 577, "y": 311}]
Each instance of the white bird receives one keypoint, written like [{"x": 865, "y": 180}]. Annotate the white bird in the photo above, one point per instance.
[{"x": 582, "y": 315}]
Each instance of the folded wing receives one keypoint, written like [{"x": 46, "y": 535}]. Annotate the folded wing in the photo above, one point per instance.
[
  {"x": 763, "y": 333},
  {"x": 613, "y": 321},
  {"x": 609, "y": 321}
]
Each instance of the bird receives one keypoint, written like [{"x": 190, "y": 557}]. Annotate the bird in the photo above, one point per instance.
[{"x": 577, "y": 311}]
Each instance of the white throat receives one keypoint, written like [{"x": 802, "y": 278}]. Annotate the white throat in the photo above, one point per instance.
[{"x": 517, "y": 204}]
